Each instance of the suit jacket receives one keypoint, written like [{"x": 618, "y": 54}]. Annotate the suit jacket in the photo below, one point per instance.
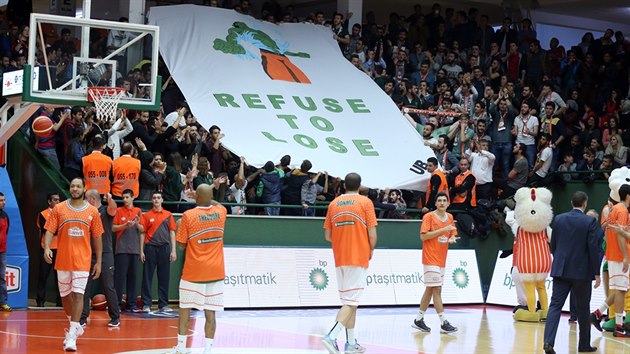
[{"x": 576, "y": 246}]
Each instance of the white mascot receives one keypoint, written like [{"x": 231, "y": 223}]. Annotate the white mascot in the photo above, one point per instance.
[{"x": 533, "y": 215}]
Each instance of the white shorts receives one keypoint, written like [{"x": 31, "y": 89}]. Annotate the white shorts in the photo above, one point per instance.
[
  {"x": 433, "y": 276},
  {"x": 351, "y": 281},
  {"x": 72, "y": 282},
  {"x": 618, "y": 280},
  {"x": 202, "y": 296}
]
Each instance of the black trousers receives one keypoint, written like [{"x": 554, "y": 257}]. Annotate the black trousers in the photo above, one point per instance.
[
  {"x": 561, "y": 289},
  {"x": 126, "y": 273},
  {"x": 42, "y": 277},
  {"x": 156, "y": 257},
  {"x": 106, "y": 281}
]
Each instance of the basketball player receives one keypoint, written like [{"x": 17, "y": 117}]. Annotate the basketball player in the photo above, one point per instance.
[
  {"x": 437, "y": 231},
  {"x": 351, "y": 228},
  {"x": 200, "y": 235},
  {"x": 74, "y": 221}
]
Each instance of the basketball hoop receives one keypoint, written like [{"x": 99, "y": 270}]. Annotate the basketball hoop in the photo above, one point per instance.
[{"x": 105, "y": 100}]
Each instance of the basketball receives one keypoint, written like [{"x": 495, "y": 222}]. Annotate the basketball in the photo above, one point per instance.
[
  {"x": 42, "y": 125},
  {"x": 139, "y": 301},
  {"x": 99, "y": 302}
]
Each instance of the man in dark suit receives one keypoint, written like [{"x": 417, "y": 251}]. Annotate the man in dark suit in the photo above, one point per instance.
[{"x": 576, "y": 248}]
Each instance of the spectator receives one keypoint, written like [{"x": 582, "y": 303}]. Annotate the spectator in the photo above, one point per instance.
[
  {"x": 73, "y": 166},
  {"x": 543, "y": 162},
  {"x": 46, "y": 144},
  {"x": 292, "y": 194},
  {"x": 607, "y": 165},
  {"x": 312, "y": 191},
  {"x": 617, "y": 150},
  {"x": 500, "y": 132},
  {"x": 517, "y": 178},
  {"x": 118, "y": 130},
  {"x": 394, "y": 197},
  {"x": 590, "y": 131},
  {"x": 568, "y": 165},
  {"x": 238, "y": 192},
  {"x": 525, "y": 130},
  {"x": 481, "y": 166},
  {"x": 590, "y": 163},
  {"x": 462, "y": 135},
  {"x": 611, "y": 129},
  {"x": 269, "y": 188}
]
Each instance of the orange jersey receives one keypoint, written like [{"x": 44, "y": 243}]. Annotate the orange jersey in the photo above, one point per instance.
[
  {"x": 41, "y": 221},
  {"x": 96, "y": 169},
  {"x": 74, "y": 228},
  {"x": 127, "y": 240},
  {"x": 157, "y": 226},
  {"x": 434, "y": 250},
  {"x": 201, "y": 230},
  {"x": 348, "y": 218},
  {"x": 532, "y": 252},
  {"x": 126, "y": 175},
  {"x": 618, "y": 216}
]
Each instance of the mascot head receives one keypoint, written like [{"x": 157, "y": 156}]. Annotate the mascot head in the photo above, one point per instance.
[
  {"x": 533, "y": 211},
  {"x": 618, "y": 177}
]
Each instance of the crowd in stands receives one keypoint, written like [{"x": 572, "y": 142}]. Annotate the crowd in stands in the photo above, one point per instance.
[{"x": 500, "y": 109}]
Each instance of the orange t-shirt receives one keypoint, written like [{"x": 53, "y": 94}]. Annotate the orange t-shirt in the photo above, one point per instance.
[
  {"x": 41, "y": 221},
  {"x": 348, "y": 218},
  {"x": 158, "y": 221},
  {"x": 74, "y": 228},
  {"x": 201, "y": 230},
  {"x": 96, "y": 169},
  {"x": 618, "y": 216},
  {"x": 434, "y": 250}
]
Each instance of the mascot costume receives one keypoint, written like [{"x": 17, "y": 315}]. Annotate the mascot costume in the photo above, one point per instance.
[
  {"x": 533, "y": 214},
  {"x": 617, "y": 177}
]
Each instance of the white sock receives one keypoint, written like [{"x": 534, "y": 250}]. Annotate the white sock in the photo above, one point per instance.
[
  {"x": 442, "y": 317},
  {"x": 420, "y": 315},
  {"x": 181, "y": 341},
  {"x": 350, "y": 336},
  {"x": 603, "y": 308},
  {"x": 208, "y": 344},
  {"x": 74, "y": 327},
  {"x": 334, "y": 332},
  {"x": 619, "y": 318}
]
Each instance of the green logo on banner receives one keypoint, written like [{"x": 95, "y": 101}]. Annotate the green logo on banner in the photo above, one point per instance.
[
  {"x": 274, "y": 56},
  {"x": 460, "y": 278},
  {"x": 318, "y": 279}
]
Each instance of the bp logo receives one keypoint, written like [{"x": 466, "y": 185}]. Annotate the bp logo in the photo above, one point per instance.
[
  {"x": 318, "y": 279},
  {"x": 274, "y": 57},
  {"x": 460, "y": 278}
]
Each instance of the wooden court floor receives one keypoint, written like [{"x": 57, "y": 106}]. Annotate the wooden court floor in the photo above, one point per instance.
[{"x": 482, "y": 329}]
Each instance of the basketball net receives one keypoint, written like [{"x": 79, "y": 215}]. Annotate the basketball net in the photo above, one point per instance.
[{"x": 105, "y": 100}]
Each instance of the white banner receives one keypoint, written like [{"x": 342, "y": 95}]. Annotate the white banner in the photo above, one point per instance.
[
  {"x": 287, "y": 89},
  {"x": 503, "y": 292},
  {"x": 295, "y": 277}
]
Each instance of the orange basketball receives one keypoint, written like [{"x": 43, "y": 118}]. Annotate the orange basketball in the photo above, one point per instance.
[
  {"x": 99, "y": 302},
  {"x": 42, "y": 125}
]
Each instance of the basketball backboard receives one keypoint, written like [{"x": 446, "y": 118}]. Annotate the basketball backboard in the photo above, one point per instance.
[{"x": 66, "y": 55}]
